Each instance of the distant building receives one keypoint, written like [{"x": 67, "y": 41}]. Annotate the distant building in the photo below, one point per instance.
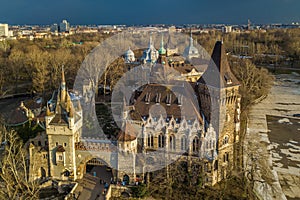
[
  {"x": 249, "y": 24},
  {"x": 54, "y": 28},
  {"x": 64, "y": 26},
  {"x": 3, "y": 30},
  {"x": 227, "y": 29}
]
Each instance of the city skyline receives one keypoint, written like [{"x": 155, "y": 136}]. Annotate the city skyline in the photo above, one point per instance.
[{"x": 151, "y": 12}]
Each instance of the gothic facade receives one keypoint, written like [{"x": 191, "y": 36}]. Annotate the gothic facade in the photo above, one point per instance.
[{"x": 192, "y": 121}]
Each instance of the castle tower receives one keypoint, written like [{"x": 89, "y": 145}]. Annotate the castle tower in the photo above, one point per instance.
[
  {"x": 63, "y": 129},
  {"x": 218, "y": 91}
]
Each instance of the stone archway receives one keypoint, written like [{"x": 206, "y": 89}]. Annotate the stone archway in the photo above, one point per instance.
[
  {"x": 83, "y": 160},
  {"x": 126, "y": 179},
  {"x": 96, "y": 167}
]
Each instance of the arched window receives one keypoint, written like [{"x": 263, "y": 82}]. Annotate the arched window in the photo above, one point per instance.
[
  {"x": 150, "y": 140},
  {"x": 196, "y": 144},
  {"x": 161, "y": 141},
  {"x": 225, "y": 140},
  {"x": 183, "y": 143},
  {"x": 172, "y": 142}
]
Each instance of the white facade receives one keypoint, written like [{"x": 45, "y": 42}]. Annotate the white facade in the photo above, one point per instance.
[
  {"x": 4, "y": 30},
  {"x": 191, "y": 51},
  {"x": 64, "y": 26},
  {"x": 129, "y": 56}
]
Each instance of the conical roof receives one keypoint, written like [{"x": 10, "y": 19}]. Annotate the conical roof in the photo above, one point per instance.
[
  {"x": 218, "y": 73},
  {"x": 162, "y": 50},
  {"x": 129, "y": 133}
]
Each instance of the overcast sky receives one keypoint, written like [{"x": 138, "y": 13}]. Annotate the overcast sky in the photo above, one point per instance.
[{"x": 149, "y": 11}]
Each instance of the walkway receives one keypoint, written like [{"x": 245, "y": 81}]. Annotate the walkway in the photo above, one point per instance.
[{"x": 89, "y": 188}]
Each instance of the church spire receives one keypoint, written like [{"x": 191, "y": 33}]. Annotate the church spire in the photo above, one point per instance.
[
  {"x": 162, "y": 50},
  {"x": 191, "y": 39},
  {"x": 63, "y": 91},
  {"x": 63, "y": 80},
  {"x": 150, "y": 41}
]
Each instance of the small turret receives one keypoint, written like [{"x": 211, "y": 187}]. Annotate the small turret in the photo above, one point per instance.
[
  {"x": 48, "y": 112},
  {"x": 162, "y": 50},
  {"x": 79, "y": 105}
]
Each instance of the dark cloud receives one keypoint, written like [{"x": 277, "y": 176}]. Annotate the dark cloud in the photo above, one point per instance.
[{"x": 149, "y": 12}]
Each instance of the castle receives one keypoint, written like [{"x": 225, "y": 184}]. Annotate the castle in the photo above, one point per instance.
[{"x": 197, "y": 119}]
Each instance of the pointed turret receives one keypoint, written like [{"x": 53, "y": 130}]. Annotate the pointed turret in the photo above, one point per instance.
[
  {"x": 48, "y": 112},
  {"x": 191, "y": 39},
  {"x": 71, "y": 111},
  {"x": 79, "y": 105},
  {"x": 191, "y": 51},
  {"x": 63, "y": 90},
  {"x": 218, "y": 73},
  {"x": 150, "y": 41},
  {"x": 68, "y": 103},
  {"x": 162, "y": 50}
]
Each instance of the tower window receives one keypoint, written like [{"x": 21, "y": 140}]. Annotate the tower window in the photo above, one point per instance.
[
  {"x": 65, "y": 144},
  {"x": 225, "y": 140}
]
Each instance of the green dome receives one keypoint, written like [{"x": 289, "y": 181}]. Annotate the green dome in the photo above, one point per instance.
[{"x": 162, "y": 50}]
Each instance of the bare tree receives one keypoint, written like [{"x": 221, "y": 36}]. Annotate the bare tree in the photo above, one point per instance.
[
  {"x": 15, "y": 182},
  {"x": 16, "y": 62},
  {"x": 255, "y": 83}
]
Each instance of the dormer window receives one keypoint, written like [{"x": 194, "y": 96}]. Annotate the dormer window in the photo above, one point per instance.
[
  {"x": 157, "y": 99},
  {"x": 179, "y": 99},
  {"x": 169, "y": 99},
  {"x": 147, "y": 98}
]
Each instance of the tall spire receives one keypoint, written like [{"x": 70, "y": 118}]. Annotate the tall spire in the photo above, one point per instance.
[
  {"x": 150, "y": 40},
  {"x": 191, "y": 39},
  {"x": 63, "y": 85},
  {"x": 63, "y": 74},
  {"x": 162, "y": 50}
]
